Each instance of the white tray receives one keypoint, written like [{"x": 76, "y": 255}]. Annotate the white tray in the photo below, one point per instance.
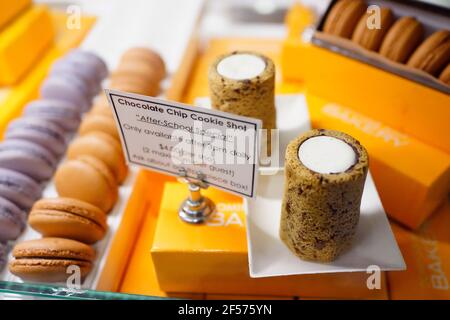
[{"x": 374, "y": 243}]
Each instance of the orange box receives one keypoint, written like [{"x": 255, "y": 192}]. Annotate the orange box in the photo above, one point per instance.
[
  {"x": 412, "y": 178},
  {"x": 212, "y": 257},
  {"x": 403, "y": 104},
  {"x": 11, "y": 9},
  {"x": 139, "y": 276},
  {"x": 437, "y": 227},
  {"x": 22, "y": 42},
  {"x": 13, "y": 99},
  {"x": 428, "y": 268}
]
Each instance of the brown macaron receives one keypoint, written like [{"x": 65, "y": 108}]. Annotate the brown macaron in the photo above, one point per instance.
[
  {"x": 344, "y": 17},
  {"x": 88, "y": 179},
  {"x": 98, "y": 122},
  {"x": 433, "y": 54},
  {"x": 103, "y": 147},
  {"x": 48, "y": 259},
  {"x": 68, "y": 218},
  {"x": 371, "y": 38},
  {"x": 149, "y": 56},
  {"x": 401, "y": 39},
  {"x": 445, "y": 75}
]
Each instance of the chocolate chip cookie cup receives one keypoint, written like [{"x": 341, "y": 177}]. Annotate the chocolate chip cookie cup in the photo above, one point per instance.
[
  {"x": 243, "y": 83},
  {"x": 325, "y": 173}
]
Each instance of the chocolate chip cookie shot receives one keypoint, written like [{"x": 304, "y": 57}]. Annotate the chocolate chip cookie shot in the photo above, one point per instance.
[
  {"x": 324, "y": 180},
  {"x": 243, "y": 83}
]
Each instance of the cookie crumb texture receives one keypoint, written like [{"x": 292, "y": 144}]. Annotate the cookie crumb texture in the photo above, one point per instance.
[{"x": 320, "y": 212}]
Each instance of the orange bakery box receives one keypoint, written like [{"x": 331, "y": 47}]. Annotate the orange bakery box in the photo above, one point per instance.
[
  {"x": 336, "y": 69},
  {"x": 437, "y": 227},
  {"x": 428, "y": 268},
  {"x": 212, "y": 258}
]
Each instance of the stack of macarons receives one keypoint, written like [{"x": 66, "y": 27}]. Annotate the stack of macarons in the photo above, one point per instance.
[
  {"x": 398, "y": 40},
  {"x": 95, "y": 165},
  {"x": 35, "y": 142},
  {"x": 87, "y": 183}
]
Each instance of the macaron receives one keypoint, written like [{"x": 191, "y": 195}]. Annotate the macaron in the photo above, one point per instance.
[
  {"x": 103, "y": 147},
  {"x": 343, "y": 18},
  {"x": 68, "y": 218},
  {"x": 19, "y": 188},
  {"x": 88, "y": 179},
  {"x": 12, "y": 220},
  {"x": 39, "y": 131},
  {"x": 402, "y": 39},
  {"x": 100, "y": 108},
  {"x": 131, "y": 83},
  {"x": 89, "y": 60},
  {"x": 371, "y": 38},
  {"x": 82, "y": 72},
  {"x": 433, "y": 55},
  {"x": 97, "y": 122},
  {"x": 141, "y": 69},
  {"x": 27, "y": 158},
  {"x": 3, "y": 253},
  {"x": 66, "y": 87},
  {"x": 445, "y": 75},
  {"x": 59, "y": 112},
  {"x": 146, "y": 55},
  {"x": 47, "y": 259}
]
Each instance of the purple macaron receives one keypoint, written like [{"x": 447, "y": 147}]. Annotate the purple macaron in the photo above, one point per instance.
[
  {"x": 84, "y": 73},
  {"x": 40, "y": 131},
  {"x": 59, "y": 112},
  {"x": 19, "y": 188},
  {"x": 89, "y": 60},
  {"x": 4, "y": 248},
  {"x": 27, "y": 158},
  {"x": 67, "y": 87},
  {"x": 12, "y": 220}
]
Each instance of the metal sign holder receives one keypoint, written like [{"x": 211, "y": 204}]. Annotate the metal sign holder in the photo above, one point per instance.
[{"x": 196, "y": 208}]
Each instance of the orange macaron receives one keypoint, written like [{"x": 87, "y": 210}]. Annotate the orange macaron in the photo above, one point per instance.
[
  {"x": 433, "y": 55},
  {"x": 371, "y": 38},
  {"x": 68, "y": 218},
  {"x": 88, "y": 179},
  {"x": 48, "y": 259},
  {"x": 402, "y": 39},
  {"x": 99, "y": 122},
  {"x": 103, "y": 147},
  {"x": 343, "y": 17}
]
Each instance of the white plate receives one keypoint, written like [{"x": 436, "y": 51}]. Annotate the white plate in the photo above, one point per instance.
[
  {"x": 374, "y": 243},
  {"x": 292, "y": 119}
]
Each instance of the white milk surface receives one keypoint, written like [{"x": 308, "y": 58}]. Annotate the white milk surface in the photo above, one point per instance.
[
  {"x": 241, "y": 66},
  {"x": 326, "y": 155}
]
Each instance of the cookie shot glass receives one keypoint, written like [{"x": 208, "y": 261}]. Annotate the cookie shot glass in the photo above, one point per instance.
[
  {"x": 324, "y": 181},
  {"x": 243, "y": 83}
]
